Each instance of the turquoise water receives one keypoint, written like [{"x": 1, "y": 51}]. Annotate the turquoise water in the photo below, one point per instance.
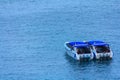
[{"x": 32, "y": 34}]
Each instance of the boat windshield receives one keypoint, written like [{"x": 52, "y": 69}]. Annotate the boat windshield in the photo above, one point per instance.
[
  {"x": 83, "y": 50},
  {"x": 102, "y": 49}
]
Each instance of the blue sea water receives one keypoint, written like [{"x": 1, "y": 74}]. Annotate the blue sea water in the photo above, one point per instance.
[{"x": 32, "y": 34}]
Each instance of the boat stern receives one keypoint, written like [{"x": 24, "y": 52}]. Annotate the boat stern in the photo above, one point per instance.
[{"x": 102, "y": 56}]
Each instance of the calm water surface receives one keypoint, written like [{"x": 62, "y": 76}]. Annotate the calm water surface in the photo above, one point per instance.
[{"x": 32, "y": 34}]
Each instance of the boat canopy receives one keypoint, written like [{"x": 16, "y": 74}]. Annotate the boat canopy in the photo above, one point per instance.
[
  {"x": 82, "y": 45},
  {"x": 97, "y": 43},
  {"x": 78, "y": 44}
]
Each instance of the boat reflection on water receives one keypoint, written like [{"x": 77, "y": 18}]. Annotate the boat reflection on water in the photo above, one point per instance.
[{"x": 87, "y": 69}]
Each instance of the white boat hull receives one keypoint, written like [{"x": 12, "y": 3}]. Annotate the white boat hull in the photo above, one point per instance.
[{"x": 76, "y": 56}]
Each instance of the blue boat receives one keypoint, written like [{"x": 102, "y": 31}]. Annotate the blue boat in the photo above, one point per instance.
[
  {"x": 79, "y": 50},
  {"x": 88, "y": 50},
  {"x": 101, "y": 50}
]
